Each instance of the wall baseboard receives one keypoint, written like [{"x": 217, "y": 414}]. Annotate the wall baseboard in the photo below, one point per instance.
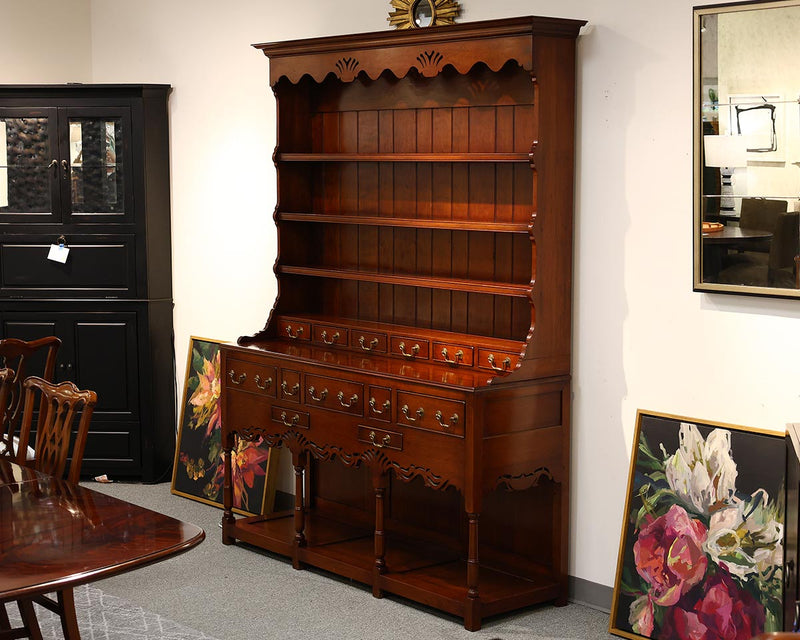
[{"x": 590, "y": 594}]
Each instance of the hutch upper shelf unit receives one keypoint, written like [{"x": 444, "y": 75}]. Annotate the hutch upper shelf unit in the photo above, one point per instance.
[
  {"x": 417, "y": 360},
  {"x": 87, "y": 167}
]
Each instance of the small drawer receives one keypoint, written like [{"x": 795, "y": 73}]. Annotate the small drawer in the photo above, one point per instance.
[
  {"x": 431, "y": 413},
  {"x": 452, "y": 354},
  {"x": 331, "y": 335},
  {"x": 379, "y": 403},
  {"x": 290, "y": 387},
  {"x": 500, "y": 361},
  {"x": 290, "y": 417},
  {"x": 253, "y": 377},
  {"x": 337, "y": 395},
  {"x": 294, "y": 330},
  {"x": 380, "y": 438},
  {"x": 410, "y": 348},
  {"x": 368, "y": 341}
]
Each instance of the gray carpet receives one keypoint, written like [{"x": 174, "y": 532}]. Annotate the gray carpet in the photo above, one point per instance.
[
  {"x": 105, "y": 617},
  {"x": 237, "y": 592}
]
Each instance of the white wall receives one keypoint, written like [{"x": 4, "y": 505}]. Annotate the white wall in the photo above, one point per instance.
[
  {"x": 642, "y": 338},
  {"x": 45, "y": 41}
]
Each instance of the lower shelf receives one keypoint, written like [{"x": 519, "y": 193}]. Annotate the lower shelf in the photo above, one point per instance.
[{"x": 429, "y": 574}]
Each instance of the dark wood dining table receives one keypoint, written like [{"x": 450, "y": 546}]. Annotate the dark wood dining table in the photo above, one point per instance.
[
  {"x": 55, "y": 534},
  {"x": 717, "y": 243}
]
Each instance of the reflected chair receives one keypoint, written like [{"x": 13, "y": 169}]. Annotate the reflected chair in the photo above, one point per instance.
[
  {"x": 758, "y": 213},
  {"x": 60, "y": 406},
  {"x": 779, "y": 268},
  {"x": 34, "y": 357}
]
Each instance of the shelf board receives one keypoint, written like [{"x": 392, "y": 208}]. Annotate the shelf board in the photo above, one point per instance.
[
  {"x": 417, "y": 223},
  {"x": 453, "y": 284},
  {"x": 403, "y": 157}
]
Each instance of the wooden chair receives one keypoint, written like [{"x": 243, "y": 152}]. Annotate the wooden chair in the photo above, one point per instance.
[
  {"x": 60, "y": 406},
  {"x": 22, "y": 357}
]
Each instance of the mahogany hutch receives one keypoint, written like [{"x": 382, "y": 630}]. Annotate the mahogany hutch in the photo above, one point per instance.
[{"x": 416, "y": 362}]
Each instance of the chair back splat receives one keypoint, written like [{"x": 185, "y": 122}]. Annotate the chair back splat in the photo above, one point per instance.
[{"x": 60, "y": 407}]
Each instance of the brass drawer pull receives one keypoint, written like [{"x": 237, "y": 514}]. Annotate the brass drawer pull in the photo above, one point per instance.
[
  {"x": 420, "y": 413},
  {"x": 232, "y": 374},
  {"x": 384, "y": 441},
  {"x": 295, "y": 419},
  {"x": 459, "y": 356},
  {"x": 267, "y": 383},
  {"x": 414, "y": 350},
  {"x": 321, "y": 397},
  {"x": 333, "y": 339},
  {"x": 285, "y": 388},
  {"x": 372, "y": 343},
  {"x": 296, "y": 334},
  {"x": 352, "y": 401},
  {"x": 452, "y": 423},
  {"x": 506, "y": 363},
  {"x": 373, "y": 402}
]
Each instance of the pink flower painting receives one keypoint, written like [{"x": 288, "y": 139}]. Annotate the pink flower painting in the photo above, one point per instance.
[{"x": 702, "y": 555}]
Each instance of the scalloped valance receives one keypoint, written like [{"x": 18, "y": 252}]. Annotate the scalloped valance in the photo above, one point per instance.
[{"x": 429, "y": 51}]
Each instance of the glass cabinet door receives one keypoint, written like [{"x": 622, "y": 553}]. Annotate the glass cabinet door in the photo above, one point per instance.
[
  {"x": 29, "y": 165},
  {"x": 97, "y": 150}
]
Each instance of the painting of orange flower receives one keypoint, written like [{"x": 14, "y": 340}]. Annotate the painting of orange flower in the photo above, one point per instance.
[{"x": 198, "y": 469}]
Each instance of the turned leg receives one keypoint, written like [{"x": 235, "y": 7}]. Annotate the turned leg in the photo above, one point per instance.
[
  {"x": 472, "y": 614},
  {"x": 380, "y": 482},
  {"x": 228, "y": 519},
  {"x": 299, "y": 462}
]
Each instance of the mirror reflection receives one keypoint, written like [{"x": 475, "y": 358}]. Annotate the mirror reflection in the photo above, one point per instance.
[
  {"x": 747, "y": 153},
  {"x": 423, "y": 13}
]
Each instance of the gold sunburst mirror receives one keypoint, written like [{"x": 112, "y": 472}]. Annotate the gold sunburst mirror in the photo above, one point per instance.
[{"x": 415, "y": 14}]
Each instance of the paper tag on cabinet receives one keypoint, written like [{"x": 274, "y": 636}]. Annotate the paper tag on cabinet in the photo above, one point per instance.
[{"x": 58, "y": 253}]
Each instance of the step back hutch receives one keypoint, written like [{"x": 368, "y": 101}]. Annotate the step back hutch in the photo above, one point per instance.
[{"x": 416, "y": 362}]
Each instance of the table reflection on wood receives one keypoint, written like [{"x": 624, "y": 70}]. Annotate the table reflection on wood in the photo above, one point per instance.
[{"x": 55, "y": 534}]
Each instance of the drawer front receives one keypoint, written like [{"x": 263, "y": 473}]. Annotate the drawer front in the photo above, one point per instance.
[
  {"x": 294, "y": 330},
  {"x": 331, "y": 335},
  {"x": 410, "y": 348},
  {"x": 250, "y": 376},
  {"x": 333, "y": 394},
  {"x": 290, "y": 388},
  {"x": 368, "y": 341},
  {"x": 454, "y": 354},
  {"x": 290, "y": 417},
  {"x": 379, "y": 403},
  {"x": 501, "y": 361},
  {"x": 96, "y": 267},
  {"x": 380, "y": 438},
  {"x": 430, "y": 412}
]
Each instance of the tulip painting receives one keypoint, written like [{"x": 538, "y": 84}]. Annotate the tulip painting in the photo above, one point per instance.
[
  {"x": 198, "y": 470},
  {"x": 702, "y": 547}
]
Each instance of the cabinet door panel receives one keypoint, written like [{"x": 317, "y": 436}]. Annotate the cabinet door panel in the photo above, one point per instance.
[
  {"x": 105, "y": 361},
  {"x": 29, "y": 169},
  {"x": 96, "y": 146}
]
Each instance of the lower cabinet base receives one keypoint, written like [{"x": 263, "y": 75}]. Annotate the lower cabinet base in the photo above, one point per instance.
[{"x": 432, "y": 575}]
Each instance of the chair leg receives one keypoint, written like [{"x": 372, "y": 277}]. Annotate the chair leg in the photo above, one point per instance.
[
  {"x": 69, "y": 619},
  {"x": 29, "y": 621},
  {"x": 5, "y": 623}
]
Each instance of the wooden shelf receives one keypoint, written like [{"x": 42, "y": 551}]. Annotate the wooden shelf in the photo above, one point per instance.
[
  {"x": 452, "y": 284},
  {"x": 416, "y": 223},
  {"x": 403, "y": 157}
]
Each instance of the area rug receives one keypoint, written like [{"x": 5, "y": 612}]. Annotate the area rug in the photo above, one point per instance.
[{"x": 105, "y": 617}]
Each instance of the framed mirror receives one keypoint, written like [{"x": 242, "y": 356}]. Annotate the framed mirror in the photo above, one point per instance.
[{"x": 747, "y": 148}]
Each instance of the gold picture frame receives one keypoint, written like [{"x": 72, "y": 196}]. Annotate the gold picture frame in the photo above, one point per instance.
[
  {"x": 416, "y": 14},
  {"x": 197, "y": 473}
]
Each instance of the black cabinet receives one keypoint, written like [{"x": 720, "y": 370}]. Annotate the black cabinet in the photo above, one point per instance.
[{"x": 87, "y": 167}]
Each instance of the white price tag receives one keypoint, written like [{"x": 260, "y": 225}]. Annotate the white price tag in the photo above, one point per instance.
[{"x": 58, "y": 253}]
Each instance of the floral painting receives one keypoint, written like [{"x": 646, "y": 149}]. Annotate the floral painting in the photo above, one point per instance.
[
  {"x": 198, "y": 468},
  {"x": 702, "y": 547}
]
